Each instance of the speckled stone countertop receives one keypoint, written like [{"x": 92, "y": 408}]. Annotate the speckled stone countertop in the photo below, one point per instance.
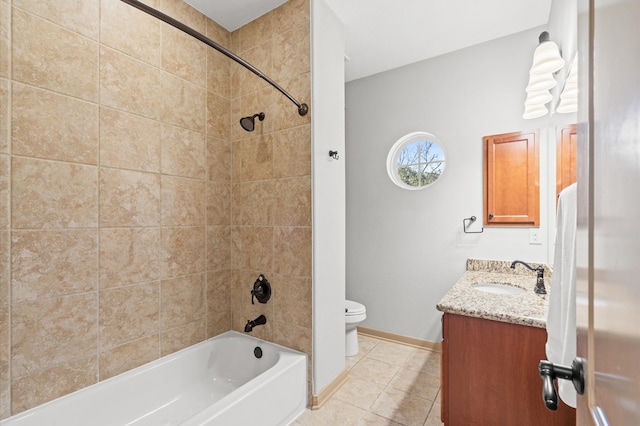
[{"x": 525, "y": 309}]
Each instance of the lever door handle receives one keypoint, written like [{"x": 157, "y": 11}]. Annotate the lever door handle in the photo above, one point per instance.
[{"x": 550, "y": 371}]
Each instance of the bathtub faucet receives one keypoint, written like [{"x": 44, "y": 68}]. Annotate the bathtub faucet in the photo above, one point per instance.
[
  {"x": 539, "y": 271},
  {"x": 258, "y": 321}
]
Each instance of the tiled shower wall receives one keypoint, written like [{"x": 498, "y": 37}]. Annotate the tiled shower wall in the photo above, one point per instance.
[
  {"x": 119, "y": 160},
  {"x": 271, "y": 191}
]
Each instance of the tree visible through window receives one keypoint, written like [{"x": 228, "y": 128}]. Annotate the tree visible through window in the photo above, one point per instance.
[{"x": 416, "y": 161}]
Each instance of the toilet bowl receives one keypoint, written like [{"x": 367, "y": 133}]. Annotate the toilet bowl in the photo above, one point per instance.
[{"x": 354, "y": 314}]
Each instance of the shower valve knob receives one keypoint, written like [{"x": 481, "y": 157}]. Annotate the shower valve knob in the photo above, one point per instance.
[{"x": 261, "y": 290}]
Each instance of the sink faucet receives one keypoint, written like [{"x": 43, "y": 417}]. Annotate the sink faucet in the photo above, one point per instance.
[
  {"x": 252, "y": 323},
  {"x": 539, "y": 270}
]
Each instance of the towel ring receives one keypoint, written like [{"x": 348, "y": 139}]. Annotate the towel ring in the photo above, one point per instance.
[{"x": 470, "y": 220}]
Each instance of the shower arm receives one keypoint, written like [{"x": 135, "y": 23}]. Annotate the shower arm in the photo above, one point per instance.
[{"x": 302, "y": 108}]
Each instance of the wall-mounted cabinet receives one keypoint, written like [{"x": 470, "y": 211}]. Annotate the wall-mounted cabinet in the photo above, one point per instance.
[
  {"x": 511, "y": 179},
  {"x": 566, "y": 156}
]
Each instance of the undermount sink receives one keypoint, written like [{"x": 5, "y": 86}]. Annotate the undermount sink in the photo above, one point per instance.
[{"x": 497, "y": 288}]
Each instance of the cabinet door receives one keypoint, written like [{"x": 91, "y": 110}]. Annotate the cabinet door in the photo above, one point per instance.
[
  {"x": 566, "y": 155},
  {"x": 491, "y": 375},
  {"x": 511, "y": 179}
]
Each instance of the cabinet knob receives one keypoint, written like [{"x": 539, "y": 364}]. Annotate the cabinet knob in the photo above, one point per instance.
[{"x": 490, "y": 215}]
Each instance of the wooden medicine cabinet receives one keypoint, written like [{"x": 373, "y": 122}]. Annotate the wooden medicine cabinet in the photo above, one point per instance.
[{"x": 511, "y": 179}]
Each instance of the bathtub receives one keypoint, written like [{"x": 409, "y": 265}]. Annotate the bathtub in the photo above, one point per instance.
[{"x": 216, "y": 382}]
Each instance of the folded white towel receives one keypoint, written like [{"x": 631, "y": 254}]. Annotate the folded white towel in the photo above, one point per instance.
[{"x": 561, "y": 318}]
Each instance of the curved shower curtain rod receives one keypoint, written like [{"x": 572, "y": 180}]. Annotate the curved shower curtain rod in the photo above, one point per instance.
[{"x": 303, "y": 109}]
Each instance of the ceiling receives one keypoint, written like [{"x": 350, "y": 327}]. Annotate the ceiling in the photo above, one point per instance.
[{"x": 385, "y": 34}]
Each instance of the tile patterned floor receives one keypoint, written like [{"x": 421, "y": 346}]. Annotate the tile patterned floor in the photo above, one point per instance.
[{"x": 389, "y": 384}]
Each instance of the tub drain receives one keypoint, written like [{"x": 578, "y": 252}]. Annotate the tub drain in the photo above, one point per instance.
[{"x": 257, "y": 352}]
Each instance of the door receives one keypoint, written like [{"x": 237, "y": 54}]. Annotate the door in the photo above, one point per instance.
[{"x": 608, "y": 241}]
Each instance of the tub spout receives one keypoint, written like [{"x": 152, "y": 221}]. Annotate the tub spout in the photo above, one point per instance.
[{"x": 252, "y": 323}]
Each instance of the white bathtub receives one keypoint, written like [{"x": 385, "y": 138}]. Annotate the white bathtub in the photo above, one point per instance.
[{"x": 216, "y": 382}]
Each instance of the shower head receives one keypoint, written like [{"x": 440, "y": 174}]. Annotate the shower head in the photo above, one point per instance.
[{"x": 248, "y": 123}]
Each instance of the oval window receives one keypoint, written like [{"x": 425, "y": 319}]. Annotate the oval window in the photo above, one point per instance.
[{"x": 416, "y": 161}]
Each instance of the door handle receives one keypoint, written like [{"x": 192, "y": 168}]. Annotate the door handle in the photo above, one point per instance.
[{"x": 550, "y": 371}]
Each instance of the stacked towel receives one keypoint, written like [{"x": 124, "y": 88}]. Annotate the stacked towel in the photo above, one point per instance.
[{"x": 561, "y": 318}]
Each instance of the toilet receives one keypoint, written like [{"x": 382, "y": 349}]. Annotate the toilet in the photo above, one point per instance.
[{"x": 354, "y": 314}]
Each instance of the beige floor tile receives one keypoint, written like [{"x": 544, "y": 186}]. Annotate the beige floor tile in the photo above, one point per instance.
[
  {"x": 425, "y": 361},
  {"x": 434, "y": 416},
  {"x": 392, "y": 353},
  {"x": 416, "y": 383},
  {"x": 359, "y": 392},
  {"x": 366, "y": 344},
  {"x": 374, "y": 370},
  {"x": 370, "y": 419},
  {"x": 402, "y": 407},
  {"x": 334, "y": 412}
]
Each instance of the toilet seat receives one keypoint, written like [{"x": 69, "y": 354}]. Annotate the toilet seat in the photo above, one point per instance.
[{"x": 353, "y": 308}]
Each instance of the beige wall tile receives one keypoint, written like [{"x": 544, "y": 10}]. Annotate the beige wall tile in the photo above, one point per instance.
[
  {"x": 256, "y": 157},
  {"x": 54, "y": 58},
  {"x": 184, "y": 13},
  {"x": 53, "y": 263},
  {"x": 218, "y": 159},
  {"x": 292, "y": 152},
  {"x": 255, "y": 32},
  {"x": 257, "y": 248},
  {"x": 291, "y": 55},
  {"x": 292, "y": 300},
  {"x": 244, "y": 81},
  {"x": 237, "y": 257},
  {"x": 49, "y": 332},
  {"x": 5, "y": 193},
  {"x": 183, "y": 152},
  {"x": 218, "y": 116},
  {"x": 184, "y": 56},
  {"x": 4, "y": 267},
  {"x": 293, "y": 201},
  {"x": 129, "y": 256},
  {"x": 48, "y": 125},
  {"x": 129, "y": 198},
  {"x": 129, "y": 313},
  {"x": 218, "y": 247},
  {"x": 129, "y": 141},
  {"x": 219, "y": 291},
  {"x": 183, "y": 336},
  {"x": 218, "y": 74},
  {"x": 5, "y": 38},
  {"x": 183, "y": 201},
  {"x": 291, "y": 13},
  {"x": 76, "y": 15},
  {"x": 218, "y": 203},
  {"x": 4, "y": 112},
  {"x": 183, "y": 300},
  {"x": 130, "y": 30},
  {"x": 141, "y": 95},
  {"x": 43, "y": 386},
  {"x": 53, "y": 195},
  {"x": 218, "y": 33},
  {"x": 293, "y": 336},
  {"x": 292, "y": 251},
  {"x": 257, "y": 201},
  {"x": 129, "y": 356},
  {"x": 183, "y": 103},
  {"x": 183, "y": 251},
  {"x": 4, "y": 343},
  {"x": 218, "y": 323},
  {"x": 285, "y": 113}
]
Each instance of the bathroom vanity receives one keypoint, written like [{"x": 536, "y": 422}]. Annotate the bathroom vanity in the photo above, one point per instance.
[{"x": 493, "y": 341}]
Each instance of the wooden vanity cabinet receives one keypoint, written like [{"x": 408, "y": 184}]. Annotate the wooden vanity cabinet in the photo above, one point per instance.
[{"x": 490, "y": 375}]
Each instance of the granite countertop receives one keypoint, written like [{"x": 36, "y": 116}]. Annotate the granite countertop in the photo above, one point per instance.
[{"x": 524, "y": 309}]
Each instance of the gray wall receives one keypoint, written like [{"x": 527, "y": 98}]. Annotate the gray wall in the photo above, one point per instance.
[{"x": 405, "y": 249}]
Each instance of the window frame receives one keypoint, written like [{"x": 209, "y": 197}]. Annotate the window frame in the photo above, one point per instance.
[{"x": 399, "y": 146}]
